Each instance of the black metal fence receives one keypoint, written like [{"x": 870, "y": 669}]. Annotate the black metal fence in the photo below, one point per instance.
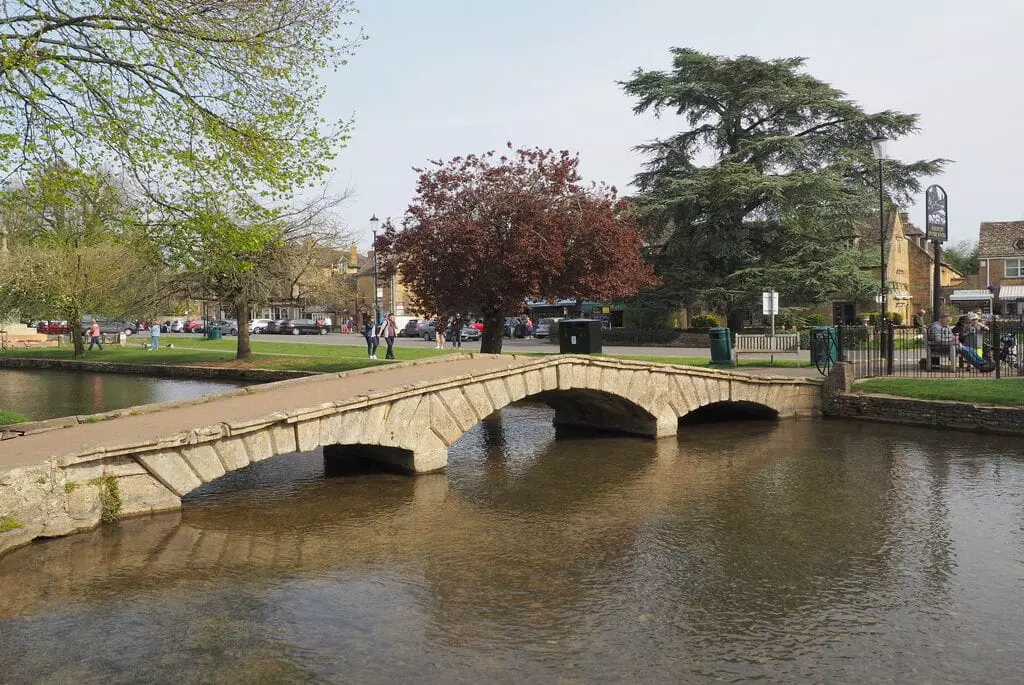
[{"x": 887, "y": 350}]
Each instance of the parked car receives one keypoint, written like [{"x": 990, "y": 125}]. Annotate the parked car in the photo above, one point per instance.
[
  {"x": 427, "y": 329},
  {"x": 544, "y": 327},
  {"x": 470, "y": 333},
  {"x": 409, "y": 330},
  {"x": 227, "y": 326},
  {"x": 177, "y": 326},
  {"x": 259, "y": 325},
  {"x": 54, "y": 327},
  {"x": 300, "y": 326},
  {"x": 193, "y": 327},
  {"x": 515, "y": 327},
  {"x": 275, "y": 325},
  {"x": 477, "y": 325},
  {"x": 108, "y": 325}
]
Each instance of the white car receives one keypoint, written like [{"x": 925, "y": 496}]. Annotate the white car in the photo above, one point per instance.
[
  {"x": 178, "y": 326},
  {"x": 259, "y": 325}
]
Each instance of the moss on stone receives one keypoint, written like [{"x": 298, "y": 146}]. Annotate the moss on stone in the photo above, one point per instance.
[
  {"x": 7, "y": 524},
  {"x": 110, "y": 497}
]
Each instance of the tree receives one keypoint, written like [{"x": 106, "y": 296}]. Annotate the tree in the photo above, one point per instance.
[
  {"x": 76, "y": 249},
  {"x": 485, "y": 232},
  {"x": 768, "y": 185},
  {"x": 964, "y": 256},
  {"x": 173, "y": 92},
  {"x": 235, "y": 249}
]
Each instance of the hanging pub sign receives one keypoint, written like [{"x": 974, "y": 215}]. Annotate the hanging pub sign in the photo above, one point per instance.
[{"x": 936, "y": 214}]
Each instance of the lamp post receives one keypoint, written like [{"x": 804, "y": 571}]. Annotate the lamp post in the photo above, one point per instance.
[
  {"x": 878, "y": 150},
  {"x": 374, "y": 226}
]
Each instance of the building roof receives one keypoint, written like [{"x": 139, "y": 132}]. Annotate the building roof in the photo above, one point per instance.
[{"x": 1001, "y": 239}]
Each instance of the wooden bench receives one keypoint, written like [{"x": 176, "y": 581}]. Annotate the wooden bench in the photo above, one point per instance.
[{"x": 762, "y": 343}]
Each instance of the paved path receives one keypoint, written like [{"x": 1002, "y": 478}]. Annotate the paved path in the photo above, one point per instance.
[{"x": 29, "y": 449}]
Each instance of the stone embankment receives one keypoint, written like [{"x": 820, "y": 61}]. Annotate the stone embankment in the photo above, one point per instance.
[
  {"x": 841, "y": 402},
  {"x": 157, "y": 370}
]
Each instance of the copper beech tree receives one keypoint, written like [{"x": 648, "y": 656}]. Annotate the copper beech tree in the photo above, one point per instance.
[{"x": 486, "y": 232}]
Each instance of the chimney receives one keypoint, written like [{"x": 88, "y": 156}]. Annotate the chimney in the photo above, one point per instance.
[
  {"x": 905, "y": 218},
  {"x": 353, "y": 256}
]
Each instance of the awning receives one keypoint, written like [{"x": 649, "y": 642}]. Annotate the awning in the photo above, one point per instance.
[
  {"x": 1011, "y": 292},
  {"x": 970, "y": 296}
]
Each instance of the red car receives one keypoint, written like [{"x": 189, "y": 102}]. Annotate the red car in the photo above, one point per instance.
[
  {"x": 193, "y": 326},
  {"x": 55, "y": 328},
  {"x": 478, "y": 325}
]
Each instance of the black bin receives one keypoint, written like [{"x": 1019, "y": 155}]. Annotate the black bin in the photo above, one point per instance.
[{"x": 579, "y": 336}]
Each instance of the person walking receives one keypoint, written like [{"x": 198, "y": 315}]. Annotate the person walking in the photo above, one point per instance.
[
  {"x": 154, "y": 337},
  {"x": 439, "y": 326},
  {"x": 456, "y": 331},
  {"x": 370, "y": 333},
  {"x": 388, "y": 331},
  {"x": 94, "y": 335}
]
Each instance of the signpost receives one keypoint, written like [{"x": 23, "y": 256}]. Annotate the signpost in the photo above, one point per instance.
[
  {"x": 936, "y": 230},
  {"x": 770, "y": 306}
]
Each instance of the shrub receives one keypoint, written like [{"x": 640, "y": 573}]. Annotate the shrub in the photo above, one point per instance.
[
  {"x": 703, "y": 321},
  {"x": 896, "y": 318},
  {"x": 815, "y": 320},
  {"x": 637, "y": 318}
]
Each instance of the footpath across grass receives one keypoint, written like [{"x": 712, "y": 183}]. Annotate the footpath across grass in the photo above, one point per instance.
[{"x": 1003, "y": 392}]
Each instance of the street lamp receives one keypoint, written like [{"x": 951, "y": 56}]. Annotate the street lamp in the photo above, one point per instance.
[
  {"x": 374, "y": 226},
  {"x": 878, "y": 150}
]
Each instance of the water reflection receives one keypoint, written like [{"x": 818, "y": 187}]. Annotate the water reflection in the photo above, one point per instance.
[
  {"x": 48, "y": 394},
  {"x": 792, "y": 551}
]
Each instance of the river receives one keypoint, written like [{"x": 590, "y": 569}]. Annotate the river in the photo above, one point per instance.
[
  {"x": 38, "y": 394},
  {"x": 803, "y": 551}
]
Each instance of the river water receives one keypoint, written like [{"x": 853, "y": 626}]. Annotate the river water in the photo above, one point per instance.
[
  {"x": 803, "y": 551},
  {"x": 48, "y": 394}
]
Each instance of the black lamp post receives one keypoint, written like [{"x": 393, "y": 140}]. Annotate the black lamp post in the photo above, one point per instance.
[
  {"x": 374, "y": 225},
  {"x": 878, "y": 150}
]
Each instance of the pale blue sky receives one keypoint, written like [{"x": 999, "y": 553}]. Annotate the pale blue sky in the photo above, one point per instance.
[{"x": 449, "y": 77}]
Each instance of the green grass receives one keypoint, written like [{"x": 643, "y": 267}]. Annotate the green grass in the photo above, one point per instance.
[
  {"x": 1005, "y": 392},
  {"x": 309, "y": 356},
  {"x": 9, "y": 417}
]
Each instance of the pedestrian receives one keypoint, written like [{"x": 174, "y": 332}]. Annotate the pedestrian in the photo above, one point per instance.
[
  {"x": 456, "y": 331},
  {"x": 370, "y": 333},
  {"x": 439, "y": 326},
  {"x": 94, "y": 335},
  {"x": 154, "y": 337},
  {"x": 388, "y": 331},
  {"x": 919, "y": 323}
]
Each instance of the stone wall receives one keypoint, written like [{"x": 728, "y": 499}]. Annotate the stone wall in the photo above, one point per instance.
[{"x": 942, "y": 414}]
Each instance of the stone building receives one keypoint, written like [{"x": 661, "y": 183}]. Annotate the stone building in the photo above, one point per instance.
[{"x": 1001, "y": 252}]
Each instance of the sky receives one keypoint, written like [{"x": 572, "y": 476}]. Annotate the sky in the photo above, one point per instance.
[{"x": 452, "y": 77}]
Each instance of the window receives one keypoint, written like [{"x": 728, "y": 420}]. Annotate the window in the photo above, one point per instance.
[{"x": 1014, "y": 268}]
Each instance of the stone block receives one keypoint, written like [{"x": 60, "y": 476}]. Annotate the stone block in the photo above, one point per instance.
[
  {"x": 406, "y": 418},
  {"x": 204, "y": 461},
  {"x": 497, "y": 392},
  {"x": 373, "y": 424},
  {"x": 515, "y": 386},
  {"x": 118, "y": 467},
  {"x": 476, "y": 396},
  {"x": 144, "y": 495},
  {"x": 83, "y": 503},
  {"x": 533, "y": 382},
  {"x": 258, "y": 445},
  {"x": 549, "y": 378},
  {"x": 232, "y": 454},
  {"x": 172, "y": 470},
  {"x": 442, "y": 422},
  {"x": 282, "y": 437},
  {"x": 308, "y": 433}
]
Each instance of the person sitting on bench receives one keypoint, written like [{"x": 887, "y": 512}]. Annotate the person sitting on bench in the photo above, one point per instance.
[{"x": 941, "y": 335}]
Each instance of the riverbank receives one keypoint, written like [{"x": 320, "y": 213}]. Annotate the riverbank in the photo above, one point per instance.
[{"x": 1002, "y": 392}]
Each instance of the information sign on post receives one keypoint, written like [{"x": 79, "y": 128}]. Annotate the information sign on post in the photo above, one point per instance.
[
  {"x": 770, "y": 306},
  {"x": 936, "y": 217}
]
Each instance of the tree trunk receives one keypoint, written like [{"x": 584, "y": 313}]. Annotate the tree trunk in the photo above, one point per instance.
[
  {"x": 75, "y": 329},
  {"x": 244, "y": 350},
  {"x": 493, "y": 333}
]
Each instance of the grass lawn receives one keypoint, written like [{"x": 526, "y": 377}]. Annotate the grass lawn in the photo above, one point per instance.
[
  {"x": 304, "y": 356},
  {"x": 1005, "y": 392},
  {"x": 9, "y": 417}
]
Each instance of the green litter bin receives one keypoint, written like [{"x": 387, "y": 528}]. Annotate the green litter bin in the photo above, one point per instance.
[
  {"x": 214, "y": 333},
  {"x": 824, "y": 346},
  {"x": 721, "y": 345}
]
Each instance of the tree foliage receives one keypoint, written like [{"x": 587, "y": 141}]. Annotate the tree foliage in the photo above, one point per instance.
[
  {"x": 174, "y": 92},
  {"x": 767, "y": 185},
  {"x": 484, "y": 232},
  {"x": 963, "y": 255},
  {"x": 76, "y": 248}
]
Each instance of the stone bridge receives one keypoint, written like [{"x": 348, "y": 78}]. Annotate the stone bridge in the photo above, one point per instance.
[{"x": 65, "y": 475}]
